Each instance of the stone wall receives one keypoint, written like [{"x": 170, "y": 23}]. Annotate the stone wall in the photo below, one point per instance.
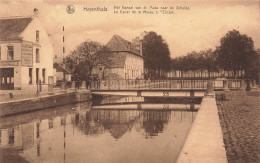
[{"x": 20, "y": 106}]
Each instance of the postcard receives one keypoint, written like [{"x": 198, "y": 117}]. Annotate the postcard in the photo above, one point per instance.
[{"x": 129, "y": 81}]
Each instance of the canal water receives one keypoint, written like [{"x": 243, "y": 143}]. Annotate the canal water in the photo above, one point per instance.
[{"x": 112, "y": 129}]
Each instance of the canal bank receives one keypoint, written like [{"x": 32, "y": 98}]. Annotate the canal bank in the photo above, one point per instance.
[
  {"x": 205, "y": 140},
  {"x": 47, "y": 101}
]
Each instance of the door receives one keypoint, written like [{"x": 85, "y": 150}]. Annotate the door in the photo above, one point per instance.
[
  {"x": 30, "y": 75},
  {"x": 43, "y": 75},
  {"x": 37, "y": 75},
  {"x": 7, "y": 78}
]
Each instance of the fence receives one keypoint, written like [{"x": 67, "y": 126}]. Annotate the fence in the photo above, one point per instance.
[
  {"x": 169, "y": 84},
  {"x": 148, "y": 84},
  {"x": 157, "y": 84}
]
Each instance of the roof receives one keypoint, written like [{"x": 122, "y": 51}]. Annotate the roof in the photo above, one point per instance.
[
  {"x": 11, "y": 28},
  {"x": 118, "y": 131},
  {"x": 59, "y": 68},
  {"x": 118, "y": 44}
]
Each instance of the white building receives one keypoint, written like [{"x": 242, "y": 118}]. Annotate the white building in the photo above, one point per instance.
[
  {"x": 26, "y": 52},
  {"x": 126, "y": 59}
]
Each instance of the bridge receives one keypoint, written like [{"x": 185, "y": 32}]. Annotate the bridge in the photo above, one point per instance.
[{"x": 168, "y": 88}]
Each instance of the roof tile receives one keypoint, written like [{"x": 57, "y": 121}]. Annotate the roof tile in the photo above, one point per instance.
[
  {"x": 60, "y": 68},
  {"x": 11, "y": 28},
  {"x": 117, "y": 43}
]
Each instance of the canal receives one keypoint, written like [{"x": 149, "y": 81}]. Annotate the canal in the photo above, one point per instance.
[{"x": 112, "y": 129}]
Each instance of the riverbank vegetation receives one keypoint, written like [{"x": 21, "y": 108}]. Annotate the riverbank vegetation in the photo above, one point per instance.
[{"x": 235, "y": 53}]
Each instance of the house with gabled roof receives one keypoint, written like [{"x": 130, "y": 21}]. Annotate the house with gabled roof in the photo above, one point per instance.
[
  {"x": 26, "y": 52},
  {"x": 61, "y": 71},
  {"x": 126, "y": 59}
]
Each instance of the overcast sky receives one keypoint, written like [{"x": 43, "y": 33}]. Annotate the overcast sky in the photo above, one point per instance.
[{"x": 197, "y": 29}]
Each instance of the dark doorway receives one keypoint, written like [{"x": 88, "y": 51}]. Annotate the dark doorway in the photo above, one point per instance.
[
  {"x": 7, "y": 78},
  {"x": 37, "y": 75},
  {"x": 43, "y": 75},
  {"x": 30, "y": 75}
]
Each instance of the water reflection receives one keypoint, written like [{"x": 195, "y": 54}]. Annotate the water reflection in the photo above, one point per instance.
[
  {"x": 144, "y": 103},
  {"x": 108, "y": 99},
  {"x": 82, "y": 134}
]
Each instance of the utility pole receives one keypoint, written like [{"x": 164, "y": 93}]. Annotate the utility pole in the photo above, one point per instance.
[{"x": 63, "y": 51}]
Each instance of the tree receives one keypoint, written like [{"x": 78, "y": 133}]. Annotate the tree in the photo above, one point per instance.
[
  {"x": 86, "y": 57},
  {"x": 156, "y": 52},
  {"x": 203, "y": 60},
  {"x": 252, "y": 70},
  {"x": 207, "y": 60},
  {"x": 70, "y": 62},
  {"x": 235, "y": 52}
]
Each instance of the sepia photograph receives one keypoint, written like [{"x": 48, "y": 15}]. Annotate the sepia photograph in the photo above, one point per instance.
[{"x": 129, "y": 81}]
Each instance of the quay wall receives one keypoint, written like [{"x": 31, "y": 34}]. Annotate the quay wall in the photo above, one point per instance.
[
  {"x": 205, "y": 140},
  {"x": 31, "y": 104}
]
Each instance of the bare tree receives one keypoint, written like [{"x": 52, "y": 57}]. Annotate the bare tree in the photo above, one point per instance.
[{"x": 87, "y": 56}]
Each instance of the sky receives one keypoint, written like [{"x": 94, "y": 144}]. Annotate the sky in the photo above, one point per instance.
[{"x": 199, "y": 28}]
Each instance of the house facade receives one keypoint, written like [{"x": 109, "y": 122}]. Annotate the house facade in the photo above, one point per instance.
[
  {"x": 125, "y": 61},
  {"x": 59, "y": 69},
  {"x": 26, "y": 52}
]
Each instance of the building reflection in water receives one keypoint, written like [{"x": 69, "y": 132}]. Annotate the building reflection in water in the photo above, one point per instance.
[
  {"x": 118, "y": 122},
  {"x": 154, "y": 121},
  {"x": 53, "y": 137},
  {"x": 96, "y": 122}
]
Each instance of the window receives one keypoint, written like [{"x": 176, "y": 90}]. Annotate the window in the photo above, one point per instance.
[
  {"x": 30, "y": 75},
  {"x": 10, "y": 53},
  {"x": 37, "y": 36},
  {"x": 37, "y": 75},
  {"x": 11, "y": 137},
  {"x": 37, "y": 56},
  {"x": 43, "y": 75}
]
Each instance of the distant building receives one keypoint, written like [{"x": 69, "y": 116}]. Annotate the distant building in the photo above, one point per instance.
[
  {"x": 26, "y": 52},
  {"x": 126, "y": 60},
  {"x": 59, "y": 70}
]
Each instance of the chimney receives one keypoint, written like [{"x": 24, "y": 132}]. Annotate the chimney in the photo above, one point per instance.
[{"x": 35, "y": 12}]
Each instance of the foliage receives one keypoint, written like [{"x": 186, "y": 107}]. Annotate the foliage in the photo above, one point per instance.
[
  {"x": 254, "y": 64},
  {"x": 196, "y": 61},
  {"x": 155, "y": 51},
  {"x": 207, "y": 60},
  {"x": 114, "y": 76},
  {"x": 86, "y": 57},
  {"x": 236, "y": 52}
]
